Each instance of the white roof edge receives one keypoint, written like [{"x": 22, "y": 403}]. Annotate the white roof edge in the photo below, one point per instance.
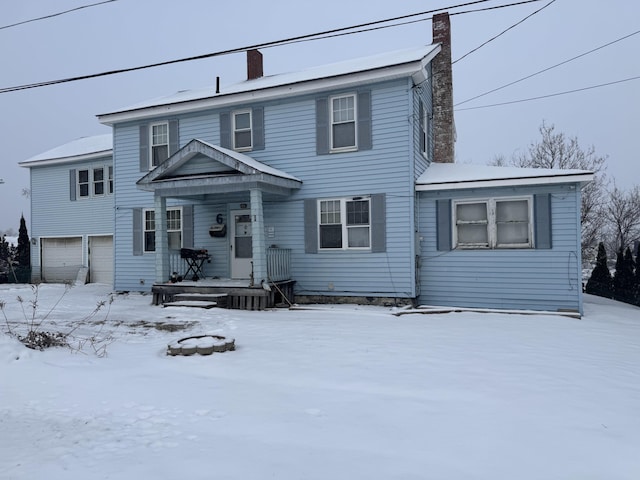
[
  {"x": 63, "y": 160},
  {"x": 343, "y": 80},
  {"x": 506, "y": 182}
]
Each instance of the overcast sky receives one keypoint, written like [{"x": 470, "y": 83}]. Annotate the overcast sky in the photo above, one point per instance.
[{"x": 129, "y": 33}]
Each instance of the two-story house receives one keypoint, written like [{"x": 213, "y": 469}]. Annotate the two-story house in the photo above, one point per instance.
[{"x": 345, "y": 173}]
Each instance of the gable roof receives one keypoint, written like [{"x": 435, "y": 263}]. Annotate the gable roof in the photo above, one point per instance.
[
  {"x": 347, "y": 74},
  {"x": 243, "y": 173},
  {"x": 454, "y": 176},
  {"x": 84, "y": 148}
]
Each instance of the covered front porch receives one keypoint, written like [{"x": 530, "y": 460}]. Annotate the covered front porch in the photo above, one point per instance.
[{"x": 221, "y": 193}]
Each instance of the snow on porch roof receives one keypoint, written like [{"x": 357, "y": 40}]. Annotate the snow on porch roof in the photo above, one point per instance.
[
  {"x": 379, "y": 62},
  {"x": 453, "y": 176},
  {"x": 80, "y": 149}
]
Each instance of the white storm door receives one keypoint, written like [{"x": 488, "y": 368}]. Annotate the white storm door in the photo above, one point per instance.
[{"x": 241, "y": 244}]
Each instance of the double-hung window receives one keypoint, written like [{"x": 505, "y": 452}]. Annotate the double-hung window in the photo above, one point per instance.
[
  {"x": 159, "y": 144},
  {"x": 83, "y": 183},
  {"x": 493, "y": 223},
  {"x": 343, "y": 122},
  {"x": 174, "y": 229},
  {"x": 242, "y": 135},
  {"x": 98, "y": 181},
  {"x": 110, "y": 168},
  {"x": 345, "y": 223}
]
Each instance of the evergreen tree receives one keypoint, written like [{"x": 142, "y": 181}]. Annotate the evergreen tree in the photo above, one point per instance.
[
  {"x": 4, "y": 249},
  {"x": 24, "y": 247},
  {"x": 627, "y": 277},
  {"x": 637, "y": 276},
  {"x": 618, "y": 276},
  {"x": 600, "y": 281}
]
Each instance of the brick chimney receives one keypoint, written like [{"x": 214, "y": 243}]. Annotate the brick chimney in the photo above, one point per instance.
[
  {"x": 443, "y": 126},
  {"x": 254, "y": 64}
]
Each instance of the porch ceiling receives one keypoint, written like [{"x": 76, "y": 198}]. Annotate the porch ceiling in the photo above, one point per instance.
[{"x": 230, "y": 172}]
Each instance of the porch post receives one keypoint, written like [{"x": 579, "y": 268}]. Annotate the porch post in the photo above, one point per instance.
[
  {"x": 162, "y": 241},
  {"x": 257, "y": 232}
]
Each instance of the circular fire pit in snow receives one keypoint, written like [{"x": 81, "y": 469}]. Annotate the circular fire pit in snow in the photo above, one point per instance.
[{"x": 201, "y": 344}]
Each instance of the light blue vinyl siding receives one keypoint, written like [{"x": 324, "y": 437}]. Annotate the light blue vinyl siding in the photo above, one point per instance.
[
  {"x": 537, "y": 279},
  {"x": 290, "y": 145},
  {"x": 53, "y": 214}
]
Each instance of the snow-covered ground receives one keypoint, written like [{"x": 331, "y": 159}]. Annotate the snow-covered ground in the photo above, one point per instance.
[{"x": 333, "y": 392}]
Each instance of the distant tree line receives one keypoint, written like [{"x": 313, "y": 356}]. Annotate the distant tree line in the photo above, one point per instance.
[
  {"x": 15, "y": 260},
  {"x": 609, "y": 216}
]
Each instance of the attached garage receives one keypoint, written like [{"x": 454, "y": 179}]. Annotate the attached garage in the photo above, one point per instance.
[
  {"x": 61, "y": 259},
  {"x": 101, "y": 259}
]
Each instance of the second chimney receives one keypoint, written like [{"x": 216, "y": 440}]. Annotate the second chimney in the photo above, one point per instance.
[
  {"x": 254, "y": 64},
  {"x": 443, "y": 126}
]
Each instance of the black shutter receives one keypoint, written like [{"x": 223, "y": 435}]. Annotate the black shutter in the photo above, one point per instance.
[
  {"x": 542, "y": 219},
  {"x": 257, "y": 120},
  {"x": 378, "y": 223},
  {"x": 364, "y": 121},
  {"x": 310, "y": 226},
  {"x": 174, "y": 136},
  {"x": 144, "y": 148},
  {"x": 137, "y": 232},
  {"x": 72, "y": 184},
  {"x": 322, "y": 126},
  {"x": 443, "y": 224},
  {"x": 225, "y": 130}
]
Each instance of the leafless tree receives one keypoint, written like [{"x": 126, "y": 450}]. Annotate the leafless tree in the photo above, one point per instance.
[
  {"x": 622, "y": 213},
  {"x": 555, "y": 150}
]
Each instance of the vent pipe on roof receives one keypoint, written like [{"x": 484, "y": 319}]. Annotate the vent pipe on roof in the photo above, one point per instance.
[
  {"x": 254, "y": 64},
  {"x": 443, "y": 125}
]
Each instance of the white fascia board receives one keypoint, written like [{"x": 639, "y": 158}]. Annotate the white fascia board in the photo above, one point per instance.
[
  {"x": 346, "y": 81},
  {"x": 582, "y": 178},
  {"x": 63, "y": 160}
]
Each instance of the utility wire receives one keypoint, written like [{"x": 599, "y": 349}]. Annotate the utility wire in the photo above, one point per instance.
[
  {"x": 307, "y": 37},
  {"x": 548, "y": 68},
  {"x": 56, "y": 14},
  {"x": 550, "y": 95},
  {"x": 502, "y": 33}
]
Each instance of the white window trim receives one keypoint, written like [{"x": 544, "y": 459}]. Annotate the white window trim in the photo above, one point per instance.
[
  {"x": 343, "y": 222},
  {"x": 234, "y": 129},
  {"x": 144, "y": 226},
  {"x": 492, "y": 225},
  {"x": 105, "y": 181},
  {"x": 350, "y": 148},
  {"x": 151, "y": 144}
]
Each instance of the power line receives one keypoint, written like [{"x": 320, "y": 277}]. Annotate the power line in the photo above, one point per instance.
[
  {"x": 550, "y": 95},
  {"x": 307, "y": 37},
  {"x": 56, "y": 14},
  {"x": 503, "y": 32},
  {"x": 548, "y": 68}
]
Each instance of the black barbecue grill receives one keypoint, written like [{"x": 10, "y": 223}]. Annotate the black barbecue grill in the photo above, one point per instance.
[{"x": 195, "y": 258}]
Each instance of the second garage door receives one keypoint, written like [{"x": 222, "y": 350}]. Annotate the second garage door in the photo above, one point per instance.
[
  {"x": 61, "y": 259},
  {"x": 101, "y": 259}
]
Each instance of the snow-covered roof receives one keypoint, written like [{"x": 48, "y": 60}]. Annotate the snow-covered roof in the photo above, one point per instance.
[
  {"x": 81, "y": 149},
  {"x": 454, "y": 176},
  {"x": 382, "y": 66},
  {"x": 252, "y": 163}
]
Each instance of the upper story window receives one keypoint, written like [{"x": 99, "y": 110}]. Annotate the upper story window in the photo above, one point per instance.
[
  {"x": 345, "y": 223},
  {"x": 159, "y": 144},
  {"x": 493, "y": 223},
  {"x": 90, "y": 182},
  {"x": 423, "y": 128},
  {"x": 343, "y": 122},
  {"x": 174, "y": 229},
  {"x": 242, "y": 132}
]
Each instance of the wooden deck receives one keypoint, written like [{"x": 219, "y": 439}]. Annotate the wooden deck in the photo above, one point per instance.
[{"x": 237, "y": 293}]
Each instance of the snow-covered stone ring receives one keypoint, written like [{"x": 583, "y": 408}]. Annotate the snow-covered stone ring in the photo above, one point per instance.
[{"x": 202, "y": 344}]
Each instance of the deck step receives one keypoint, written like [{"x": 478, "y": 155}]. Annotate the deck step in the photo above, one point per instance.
[
  {"x": 191, "y": 303},
  {"x": 208, "y": 297}
]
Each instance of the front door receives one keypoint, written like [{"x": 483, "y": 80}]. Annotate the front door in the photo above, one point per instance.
[{"x": 241, "y": 244}]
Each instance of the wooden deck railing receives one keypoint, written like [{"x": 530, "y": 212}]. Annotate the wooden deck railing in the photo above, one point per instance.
[{"x": 279, "y": 264}]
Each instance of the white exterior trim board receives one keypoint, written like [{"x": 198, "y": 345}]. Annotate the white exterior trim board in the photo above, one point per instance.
[{"x": 508, "y": 182}]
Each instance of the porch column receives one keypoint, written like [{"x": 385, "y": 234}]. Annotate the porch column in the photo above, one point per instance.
[
  {"x": 162, "y": 241},
  {"x": 257, "y": 232}
]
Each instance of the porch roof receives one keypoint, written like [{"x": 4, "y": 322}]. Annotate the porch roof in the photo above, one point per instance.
[{"x": 230, "y": 172}]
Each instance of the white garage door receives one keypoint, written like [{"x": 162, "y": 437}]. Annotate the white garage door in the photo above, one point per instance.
[
  {"x": 61, "y": 259},
  {"x": 101, "y": 259}
]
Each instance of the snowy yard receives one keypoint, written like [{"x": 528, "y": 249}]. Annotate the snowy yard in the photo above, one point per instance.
[{"x": 334, "y": 392}]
